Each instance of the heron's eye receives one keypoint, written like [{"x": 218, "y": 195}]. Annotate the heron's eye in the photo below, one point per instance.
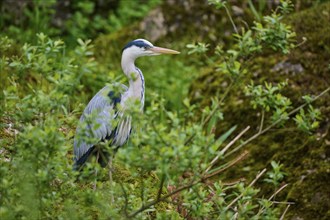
[{"x": 145, "y": 48}]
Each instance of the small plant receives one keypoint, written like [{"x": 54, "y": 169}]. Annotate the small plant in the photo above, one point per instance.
[
  {"x": 309, "y": 121},
  {"x": 197, "y": 48},
  {"x": 217, "y": 3},
  {"x": 269, "y": 98},
  {"x": 276, "y": 175},
  {"x": 274, "y": 34}
]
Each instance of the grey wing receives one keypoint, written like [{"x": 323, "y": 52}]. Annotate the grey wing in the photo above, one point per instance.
[{"x": 96, "y": 121}]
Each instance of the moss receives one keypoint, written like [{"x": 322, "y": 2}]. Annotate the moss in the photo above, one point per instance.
[{"x": 306, "y": 159}]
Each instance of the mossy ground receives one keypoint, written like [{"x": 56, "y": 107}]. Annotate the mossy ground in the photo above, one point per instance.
[{"x": 306, "y": 159}]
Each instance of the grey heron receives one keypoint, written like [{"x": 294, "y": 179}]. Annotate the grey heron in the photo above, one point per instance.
[{"x": 95, "y": 124}]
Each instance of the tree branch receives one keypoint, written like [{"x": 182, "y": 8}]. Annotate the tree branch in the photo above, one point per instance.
[
  {"x": 262, "y": 120},
  {"x": 226, "y": 148},
  {"x": 287, "y": 208},
  {"x": 251, "y": 184},
  {"x": 231, "y": 19},
  {"x": 212, "y": 112},
  {"x": 232, "y": 163},
  {"x": 161, "y": 186},
  {"x": 126, "y": 199},
  {"x": 271, "y": 197}
]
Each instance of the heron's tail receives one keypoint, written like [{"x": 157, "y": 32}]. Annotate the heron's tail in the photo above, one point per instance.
[
  {"x": 103, "y": 158},
  {"x": 79, "y": 164}
]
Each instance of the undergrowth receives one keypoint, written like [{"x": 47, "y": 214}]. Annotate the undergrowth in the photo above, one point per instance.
[{"x": 169, "y": 167}]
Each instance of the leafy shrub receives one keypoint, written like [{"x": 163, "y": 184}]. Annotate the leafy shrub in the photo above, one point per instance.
[
  {"x": 71, "y": 19},
  {"x": 37, "y": 178}
]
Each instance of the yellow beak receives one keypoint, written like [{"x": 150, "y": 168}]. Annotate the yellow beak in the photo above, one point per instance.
[{"x": 161, "y": 50}]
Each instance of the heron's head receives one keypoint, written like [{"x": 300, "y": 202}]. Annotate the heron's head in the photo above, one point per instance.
[{"x": 141, "y": 47}]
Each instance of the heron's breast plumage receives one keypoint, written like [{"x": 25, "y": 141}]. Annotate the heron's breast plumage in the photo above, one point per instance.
[
  {"x": 122, "y": 131},
  {"x": 142, "y": 87}
]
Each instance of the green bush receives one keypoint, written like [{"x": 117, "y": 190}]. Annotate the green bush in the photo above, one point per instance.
[
  {"x": 40, "y": 104},
  {"x": 70, "y": 19}
]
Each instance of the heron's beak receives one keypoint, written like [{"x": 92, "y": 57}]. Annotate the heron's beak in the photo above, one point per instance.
[{"x": 161, "y": 50}]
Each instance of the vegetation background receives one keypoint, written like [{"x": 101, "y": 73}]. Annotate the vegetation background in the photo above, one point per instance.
[{"x": 235, "y": 127}]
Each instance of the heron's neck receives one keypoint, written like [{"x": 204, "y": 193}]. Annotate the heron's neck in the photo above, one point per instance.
[{"x": 136, "y": 79}]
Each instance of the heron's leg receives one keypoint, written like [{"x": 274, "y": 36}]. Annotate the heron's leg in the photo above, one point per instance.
[
  {"x": 110, "y": 174},
  {"x": 97, "y": 159}
]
